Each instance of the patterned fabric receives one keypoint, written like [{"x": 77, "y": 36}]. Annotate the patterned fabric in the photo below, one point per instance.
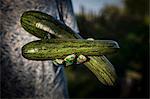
[{"x": 22, "y": 78}]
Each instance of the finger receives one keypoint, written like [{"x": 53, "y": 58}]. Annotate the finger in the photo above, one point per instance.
[
  {"x": 81, "y": 59},
  {"x": 58, "y": 61},
  {"x": 90, "y": 39},
  {"x": 70, "y": 59}
]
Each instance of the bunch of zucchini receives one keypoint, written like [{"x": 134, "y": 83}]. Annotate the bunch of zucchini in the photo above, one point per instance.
[{"x": 58, "y": 41}]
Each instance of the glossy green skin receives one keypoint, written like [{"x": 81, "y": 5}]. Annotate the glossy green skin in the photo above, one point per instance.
[
  {"x": 30, "y": 19},
  {"x": 60, "y": 48},
  {"x": 99, "y": 65}
]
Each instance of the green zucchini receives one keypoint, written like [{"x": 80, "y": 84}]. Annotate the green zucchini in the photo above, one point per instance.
[
  {"x": 60, "y": 48},
  {"x": 45, "y": 26}
]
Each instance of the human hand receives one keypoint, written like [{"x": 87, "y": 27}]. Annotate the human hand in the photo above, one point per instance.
[{"x": 71, "y": 59}]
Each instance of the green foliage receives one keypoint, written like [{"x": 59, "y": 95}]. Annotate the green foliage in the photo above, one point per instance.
[
  {"x": 137, "y": 8},
  {"x": 128, "y": 26}
]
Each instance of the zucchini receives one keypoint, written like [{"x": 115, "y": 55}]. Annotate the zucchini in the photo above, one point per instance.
[
  {"x": 45, "y": 26},
  {"x": 60, "y": 48}
]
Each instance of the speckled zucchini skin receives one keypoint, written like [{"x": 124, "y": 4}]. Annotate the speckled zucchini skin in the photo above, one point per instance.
[
  {"x": 60, "y": 48},
  {"x": 45, "y": 26}
]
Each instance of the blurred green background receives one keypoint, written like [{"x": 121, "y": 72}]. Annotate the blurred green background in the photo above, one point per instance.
[{"x": 129, "y": 26}]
